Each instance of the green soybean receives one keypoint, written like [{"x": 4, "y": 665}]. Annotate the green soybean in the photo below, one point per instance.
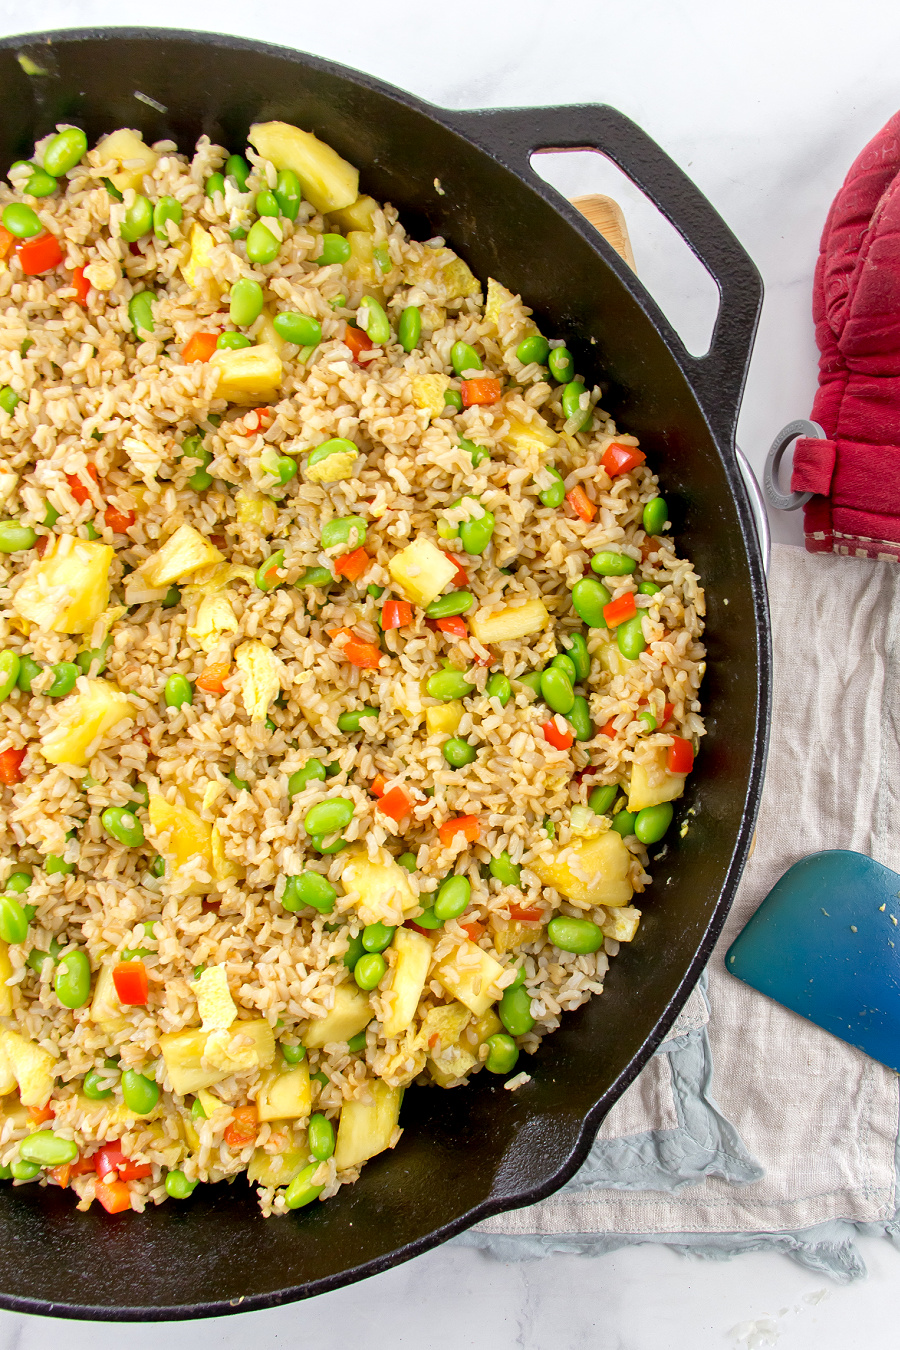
[
  {"x": 498, "y": 686},
  {"x": 476, "y": 534},
  {"x": 288, "y": 193},
  {"x": 335, "y": 249},
  {"x": 648, "y": 588},
  {"x": 266, "y": 203},
  {"x": 293, "y": 1054},
  {"x": 17, "y": 883},
  {"x": 318, "y": 843},
  {"x": 580, "y": 720},
  {"x": 428, "y": 919},
  {"x": 515, "y": 1011},
  {"x": 564, "y": 662},
  {"x": 588, "y": 598},
  {"x": 313, "y": 771},
  {"x": 171, "y": 597},
  {"x": 40, "y": 184},
  {"x": 373, "y": 321},
  {"x": 330, "y": 816},
  {"x": 533, "y": 349},
  {"x": 502, "y": 1053},
  {"x": 655, "y": 515},
  {"x": 22, "y": 1170},
  {"x": 623, "y": 823},
  {"x": 29, "y": 669},
  {"x": 463, "y": 357},
  {"x": 555, "y": 494},
  {"x": 48, "y": 1149},
  {"x": 377, "y": 936},
  {"x": 354, "y": 951},
  {"x": 630, "y": 638},
  {"x": 573, "y": 411},
  {"x": 578, "y": 654},
  {"x": 370, "y": 970},
  {"x": 557, "y": 691},
  {"x": 506, "y": 872},
  {"x": 178, "y": 1186},
  {"x": 281, "y": 467},
  {"x": 478, "y": 453},
  {"x": 9, "y": 399},
  {"x": 602, "y": 799},
  {"x": 215, "y": 185},
  {"x": 64, "y": 150},
  {"x": 14, "y": 538},
  {"x": 453, "y": 603},
  {"x": 123, "y": 826},
  {"x": 140, "y": 1092},
  {"x": 93, "y": 661},
  {"x": 13, "y": 920},
  {"x": 9, "y": 673},
  {"x": 338, "y": 445},
  {"x": 138, "y": 220},
  {"x": 72, "y": 980},
  {"x": 574, "y": 935},
  {"x": 408, "y": 861},
  {"x": 531, "y": 680},
  {"x": 21, "y": 221},
  {"x": 320, "y": 1135},
  {"x": 346, "y": 531},
  {"x": 65, "y": 673},
  {"x": 350, "y": 721},
  {"x": 309, "y": 888},
  {"x": 140, "y": 311},
  {"x": 240, "y": 783},
  {"x": 611, "y": 564},
  {"x": 178, "y": 691},
  {"x": 301, "y": 329},
  {"x": 232, "y": 342},
  {"x": 266, "y": 577},
  {"x": 652, "y": 822},
  {"x": 245, "y": 302},
  {"x": 51, "y": 516},
  {"x": 452, "y": 898},
  {"x": 261, "y": 245},
  {"x": 458, "y": 752},
  {"x": 448, "y": 685},
  {"x": 357, "y": 1043},
  {"x": 453, "y": 399},
  {"x": 93, "y": 1088},
  {"x": 236, "y": 167},
  {"x": 562, "y": 365},
  {"x": 55, "y": 866},
  {"x": 301, "y": 1190},
  {"x": 409, "y": 329},
  {"x": 315, "y": 576},
  {"x": 166, "y": 209}
]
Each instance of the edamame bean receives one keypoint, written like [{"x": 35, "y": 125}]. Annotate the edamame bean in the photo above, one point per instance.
[
  {"x": 330, "y": 816},
  {"x": 178, "y": 691},
  {"x": 140, "y": 312},
  {"x": 506, "y": 872},
  {"x": 408, "y": 860},
  {"x": 65, "y": 150},
  {"x": 428, "y": 919},
  {"x": 350, "y": 721},
  {"x": 15, "y": 538},
  {"x": 301, "y": 329},
  {"x": 357, "y": 1043},
  {"x": 240, "y": 783},
  {"x": 573, "y": 408},
  {"x": 140, "y": 1092},
  {"x": 166, "y": 209},
  {"x": 457, "y": 752},
  {"x": 498, "y": 686},
  {"x": 93, "y": 1088},
  {"x": 245, "y": 302},
  {"x": 138, "y": 220},
  {"x": 602, "y": 799},
  {"x": 266, "y": 577},
  {"x": 301, "y": 1190},
  {"x": 557, "y": 691},
  {"x": 515, "y": 1011},
  {"x": 309, "y": 888},
  {"x": 171, "y": 597},
  {"x": 502, "y": 1053},
  {"x": 288, "y": 193},
  {"x": 588, "y": 598},
  {"x": 648, "y": 588},
  {"x": 17, "y": 883},
  {"x": 452, "y": 399},
  {"x": 655, "y": 515},
  {"x": 315, "y": 576},
  {"x": 531, "y": 680},
  {"x": 266, "y": 203},
  {"x": 281, "y": 467},
  {"x": 610, "y": 564},
  {"x": 348, "y": 531},
  {"x": 555, "y": 494},
  {"x": 623, "y": 823},
  {"x": 40, "y": 184},
  {"x": 320, "y": 1134},
  {"x": 369, "y": 970},
  {"x": 373, "y": 321},
  {"x": 215, "y": 185},
  {"x": 463, "y": 357},
  {"x": 313, "y": 771},
  {"x": 354, "y": 951},
  {"x": 232, "y": 342},
  {"x": 51, "y": 516},
  {"x": 47, "y": 1149},
  {"x": 22, "y": 1170},
  {"x": 578, "y": 654},
  {"x": 21, "y": 221},
  {"x": 9, "y": 673},
  {"x": 564, "y": 662},
  {"x": 452, "y": 898},
  {"x": 13, "y": 920},
  {"x": 29, "y": 669},
  {"x": 377, "y": 936},
  {"x": 338, "y": 445},
  {"x": 93, "y": 661},
  {"x": 65, "y": 673},
  {"x": 123, "y": 826},
  {"x": 580, "y": 719},
  {"x": 454, "y": 602},
  {"x": 335, "y": 249},
  {"x": 261, "y": 245},
  {"x": 652, "y": 822},
  {"x": 448, "y": 685},
  {"x": 562, "y": 365},
  {"x": 317, "y": 841},
  {"x": 9, "y": 400},
  {"x": 72, "y": 980},
  {"x": 479, "y": 453},
  {"x": 574, "y": 935},
  {"x": 178, "y": 1186},
  {"x": 236, "y": 167},
  {"x": 409, "y": 329},
  {"x": 293, "y": 1054},
  {"x": 476, "y": 534},
  {"x": 630, "y": 638},
  {"x": 533, "y": 349}
]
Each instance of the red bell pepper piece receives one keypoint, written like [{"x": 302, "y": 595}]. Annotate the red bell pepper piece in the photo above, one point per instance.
[
  {"x": 453, "y": 627},
  {"x": 462, "y": 576},
  {"x": 81, "y": 285},
  {"x": 39, "y": 255},
  {"x": 7, "y": 243},
  {"x": 110, "y": 1162},
  {"x": 363, "y": 655},
  {"x": 473, "y": 929},
  {"x": 484, "y": 389},
  {"x": 60, "y": 1174},
  {"x": 212, "y": 679},
  {"x": 525, "y": 913},
  {"x": 379, "y": 783},
  {"x": 130, "y": 979},
  {"x": 581, "y": 503},
  {"x": 395, "y": 803},
  {"x": 667, "y": 713},
  {"x": 617, "y": 611},
  {"x": 396, "y": 614},
  {"x": 118, "y": 521},
  {"x": 467, "y": 826},
  {"x": 352, "y": 565},
  {"x": 621, "y": 459},
  {"x": 11, "y": 766},
  {"x": 560, "y": 740},
  {"x": 114, "y": 1196},
  {"x": 258, "y": 419},
  {"x": 199, "y": 347},
  {"x": 41, "y": 1114},
  {"x": 79, "y": 491},
  {"x": 680, "y": 756},
  {"x": 609, "y": 729},
  {"x": 357, "y": 341},
  {"x": 242, "y": 1130}
]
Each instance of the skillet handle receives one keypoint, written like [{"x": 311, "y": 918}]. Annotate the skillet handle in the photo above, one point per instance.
[{"x": 513, "y": 135}]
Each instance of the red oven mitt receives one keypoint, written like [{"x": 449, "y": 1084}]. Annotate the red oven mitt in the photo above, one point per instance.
[{"x": 855, "y": 473}]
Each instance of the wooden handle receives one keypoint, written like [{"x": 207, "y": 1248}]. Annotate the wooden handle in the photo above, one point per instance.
[{"x": 606, "y": 215}]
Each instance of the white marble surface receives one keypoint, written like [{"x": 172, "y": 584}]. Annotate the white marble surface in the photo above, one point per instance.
[{"x": 765, "y": 105}]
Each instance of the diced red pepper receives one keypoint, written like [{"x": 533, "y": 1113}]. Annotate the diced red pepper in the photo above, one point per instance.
[
  {"x": 11, "y": 766},
  {"x": 621, "y": 459},
  {"x": 7, "y": 243},
  {"x": 462, "y": 576},
  {"x": 41, "y": 1114},
  {"x": 667, "y": 713},
  {"x": 473, "y": 929},
  {"x": 379, "y": 783},
  {"x": 560, "y": 740},
  {"x": 357, "y": 341},
  {"x": 110, "y": 1162},
  {"x": 114, "y": 1196},
  {"x": 118, "y": 521},
  {"x": 609, "y": 730},
  {"x": 617, "y": 611},
  {"x": 453, "y": 627},
  {"x": 258, "y": 419},
  {"x": 581, "y": 503},
  {"x": 81, "y": 285},
  {"x": 39, "y": 255},
  {"x": 60, "y": 1174},
  {"x": 212, "y": 679},
  {"x": 242, "y": 1130},
  {"x": 467, "y": 826},
  {"x": 363, "y": 655},
  {"x": 352, "y": 565},
  {"x": 680, "y": 756},
  {"x": 396, "y": 614},
  {"x": 79, "y": 491},
  {"x": 411, "y": 923},
  {"x": 82, "y": 1165},
  {"x": 525, "y": 913},
  {"x": 199, "y": 347},
  {"x": 484, "y": 389},
  {"x": 130, "y": 979},
  {"x": 395, "y": 803}
]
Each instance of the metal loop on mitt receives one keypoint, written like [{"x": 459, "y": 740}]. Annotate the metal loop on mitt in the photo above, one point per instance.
[{"x": 787, "y": 501}]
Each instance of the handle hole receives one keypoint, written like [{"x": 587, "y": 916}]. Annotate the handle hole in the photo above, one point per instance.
[{"x": 666, "y": 266}]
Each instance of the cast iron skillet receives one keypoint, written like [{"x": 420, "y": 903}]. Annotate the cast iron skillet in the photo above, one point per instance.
[{"x": 466, "y": 175}]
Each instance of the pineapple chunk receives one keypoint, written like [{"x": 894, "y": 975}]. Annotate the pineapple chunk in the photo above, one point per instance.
[
  {"x": 267, "y": 333},
  {"x": 447, "y": 1022},
  {"x": 249, "y": 375},
  {"x": 6, "y": 970},
  {"x": 33, "y": 1068},
  {"x": 361, "y": 265},
  {"x": 197, "y": 270},
  {"x": 367, "y": 1128},
  {"x": 352, "y": 1013},
  {"x": 215, "y": 618},
  {"x": 467, "y": 974},
  {"x": 196, "y": 1059},
  {"x": 285, "y": 1093},
  {"x": 444, "y": 719},
  {"x": 611, "y": 659},
  {"x": 278, "y": 1169},
  {"x": 333, "y": 468},
  {"x": 485, "y": 1025},
  {"x": 529, "y": 438},
  {"x": 250, "y": 507},
  {"x": 328, "y": 181},
  {"x": 181, "y": 836},
  {"x": 67, "y": 590},
  {"x": 106, "y": 1010},
  {"x": 210, "y": 1103},
  {"x": 84, "y": 718},
  {"x": 214, "y": 1002},
  {"x": 360, "y": 215},
  {"x": 385, "y": 893},
  {"x": 260, "y": 677},
  {"x": 184, "y": 552},
  {"x": 223, "y": 868},
  {"x": 135, "y": 159},
  {"x": 516, "y": 621},
  {"x": 12, "y": 1109},
  {"x": 7, "y": 1077},
  {"x": 590, "y": 872},
  {"x": 623, "y": 924},
  {"x": 509, "y": 936},
  {"x": 422, "y": 571},
  {"x": 651, "y": 782},
  {"x": 428, "y": 393},
  {"x": 406, "y": 980},
  {"x": 451, "y": 1064}
]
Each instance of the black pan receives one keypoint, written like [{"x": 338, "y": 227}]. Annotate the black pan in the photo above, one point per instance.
[{"x": 466, "y": 175}]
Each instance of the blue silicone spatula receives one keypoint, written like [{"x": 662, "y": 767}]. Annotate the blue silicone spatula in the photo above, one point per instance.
[{"x": 825, "y": 942}]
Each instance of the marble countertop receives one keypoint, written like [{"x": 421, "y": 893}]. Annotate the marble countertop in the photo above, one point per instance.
[{"x": 765, "y": 106}]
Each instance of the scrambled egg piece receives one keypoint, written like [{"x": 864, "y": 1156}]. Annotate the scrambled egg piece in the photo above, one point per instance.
[
  {"x": 261, "y": 677},
  {"x": 428, "y": 392},
  {"x": 197, "y": 270},
  {"x": 215, "y": 1005},
  {"x": 215, "y": 618},
  {"x": 333, "y": 468}
]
